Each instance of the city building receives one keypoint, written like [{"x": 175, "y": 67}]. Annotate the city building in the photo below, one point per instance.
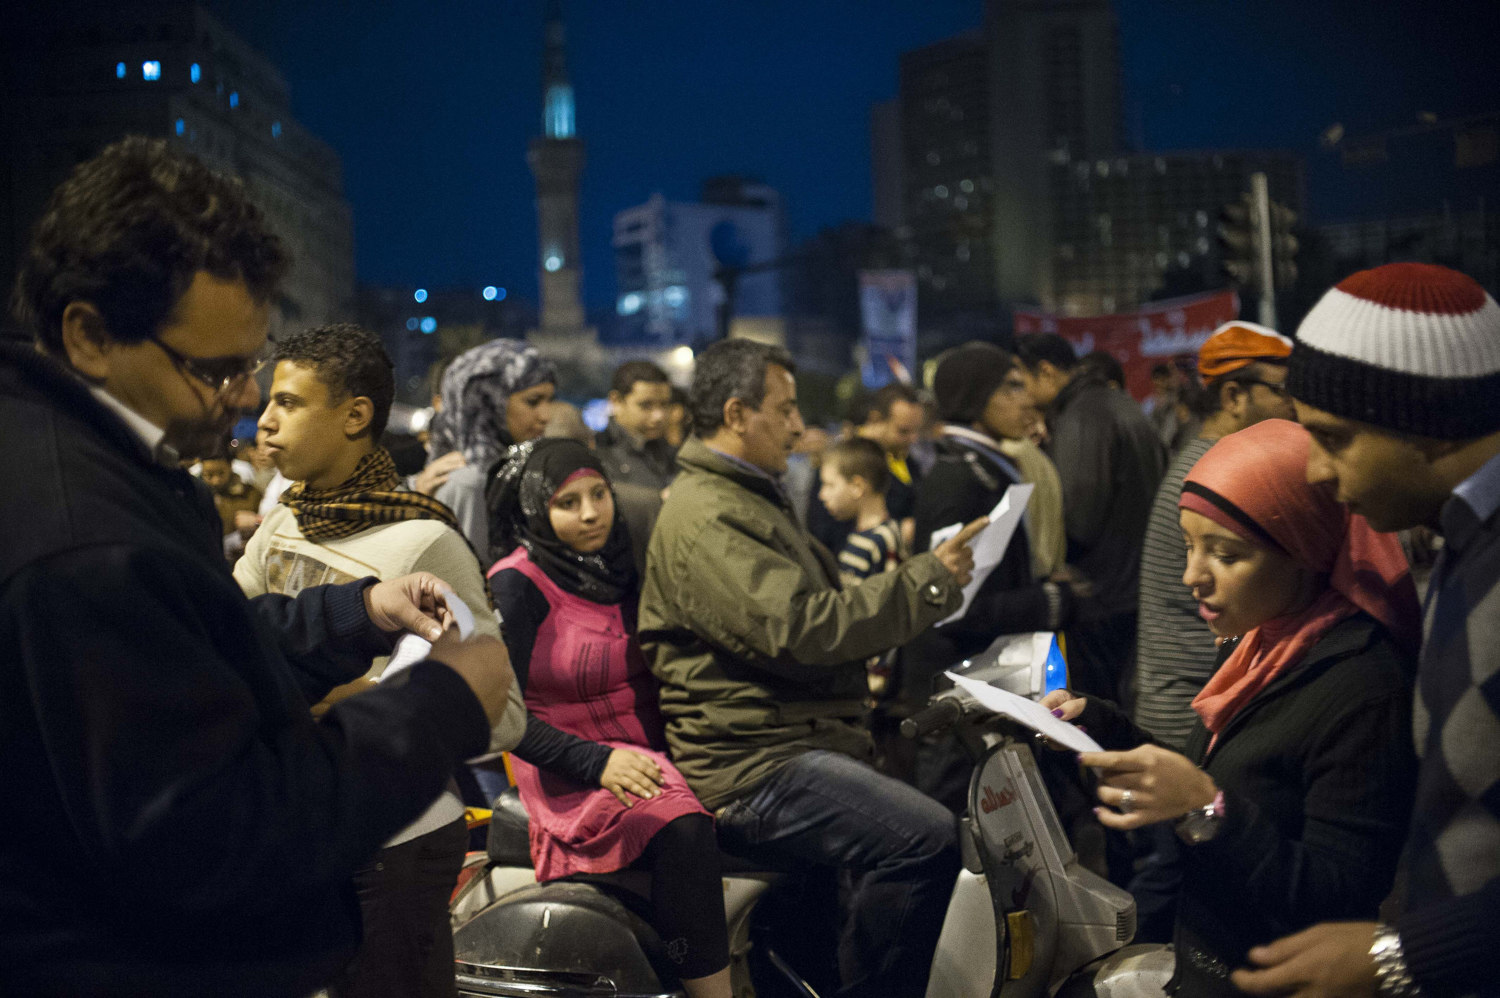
[
  {"x": 1015, "y": 189},
  {"x": 946, "y": 175},
  {"x": 668, "y": 261},
  {"x": 1054, "y": 81},
  {"x": 80, "y": 75},
  {"x": 1124, "y": 226}
]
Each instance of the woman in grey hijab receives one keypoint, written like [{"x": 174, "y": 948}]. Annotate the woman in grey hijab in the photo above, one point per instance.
[{"x": 494, "y": 395}]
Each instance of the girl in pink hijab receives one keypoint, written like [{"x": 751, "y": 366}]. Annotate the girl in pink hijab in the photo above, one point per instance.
[{"x": 1293, "y": 793}]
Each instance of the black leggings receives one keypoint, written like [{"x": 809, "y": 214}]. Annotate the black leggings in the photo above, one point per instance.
[{"x": 687, "y": 897}]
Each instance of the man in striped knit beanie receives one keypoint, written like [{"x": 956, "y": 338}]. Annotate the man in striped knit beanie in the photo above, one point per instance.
[{"x": 1396, "y": 375}]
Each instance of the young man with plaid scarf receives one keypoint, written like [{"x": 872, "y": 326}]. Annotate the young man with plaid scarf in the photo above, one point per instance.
[
  {"x": 347, "y": 517},
  {"x": 1396, "y": 375}
]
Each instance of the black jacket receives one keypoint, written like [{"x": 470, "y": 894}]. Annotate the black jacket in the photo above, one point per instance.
[
  {"x": 176, "y": 822},
  {"x": 1318, "y": 775},
  {"x": 648, "y": 463},
  {"x": 1110, "y": 461},
  {"x": 965, "y": 484}
]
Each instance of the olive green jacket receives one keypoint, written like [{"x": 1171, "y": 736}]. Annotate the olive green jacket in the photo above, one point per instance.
[{"x": 759, "y": 651}]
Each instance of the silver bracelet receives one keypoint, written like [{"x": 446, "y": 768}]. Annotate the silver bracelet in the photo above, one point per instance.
[{"x": 1392, "y": 978}]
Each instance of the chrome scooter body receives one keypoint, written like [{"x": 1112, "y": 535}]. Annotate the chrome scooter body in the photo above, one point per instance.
[
  {"x": 515, "y": 938},
  {"x": 1026, "y": 918}
]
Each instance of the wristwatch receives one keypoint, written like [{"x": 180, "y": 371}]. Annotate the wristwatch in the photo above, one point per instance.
[
  {"x": 1202, "y": 823},
  {"x": 1392, "y": 978}
]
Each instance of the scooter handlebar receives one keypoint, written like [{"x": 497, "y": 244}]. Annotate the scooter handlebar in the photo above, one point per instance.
[{"x": 943, "y": 711}]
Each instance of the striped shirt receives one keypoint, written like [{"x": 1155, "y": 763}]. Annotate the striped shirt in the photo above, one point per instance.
[
  {"x": 870, "y": 552},
  {"x": 1175, "y": 652}
]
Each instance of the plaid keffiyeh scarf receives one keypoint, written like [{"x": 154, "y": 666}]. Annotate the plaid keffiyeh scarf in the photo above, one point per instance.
[{"x": 369, "y": 497}]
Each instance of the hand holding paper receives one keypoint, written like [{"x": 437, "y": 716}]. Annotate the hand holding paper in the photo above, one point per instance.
[
  {"x": 989, "y": 544},
  {"x": 1028, "y": 712}
]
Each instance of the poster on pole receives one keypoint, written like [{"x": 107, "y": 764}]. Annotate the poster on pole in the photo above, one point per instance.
[
  {"x": 1152, "y": 334},
  {"x": 888, "y": 317}
]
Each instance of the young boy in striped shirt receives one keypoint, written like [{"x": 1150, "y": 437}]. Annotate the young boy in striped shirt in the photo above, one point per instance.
[{"x": 855, "y": 477}]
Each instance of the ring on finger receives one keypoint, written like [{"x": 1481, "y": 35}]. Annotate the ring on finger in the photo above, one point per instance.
[{"x": 1127, "y": 801}]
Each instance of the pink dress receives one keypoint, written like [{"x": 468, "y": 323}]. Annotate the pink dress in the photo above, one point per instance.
[{"x": 588, "y": 678}]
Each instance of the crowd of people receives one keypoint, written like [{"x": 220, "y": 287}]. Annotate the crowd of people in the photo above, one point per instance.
[{"x": 697, "y": 630}]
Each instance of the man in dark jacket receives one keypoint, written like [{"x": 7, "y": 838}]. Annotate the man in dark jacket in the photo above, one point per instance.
[
  {"x": 176, "y": 821},
  {"x": 1110, "y": 461},
  {"x": 982, "y": 400},
  {"x": 1396, "y": 375},
  {"x": 633, "y": 448},
  {"x": 761, "y": 656}
]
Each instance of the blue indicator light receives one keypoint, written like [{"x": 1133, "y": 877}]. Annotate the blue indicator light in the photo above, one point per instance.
[
  {"x": 429, "y": 324},
  {"x": 420, "y": 295}
]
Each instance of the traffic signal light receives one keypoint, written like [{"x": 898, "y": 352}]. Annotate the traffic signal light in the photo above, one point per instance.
[{"x": 1240, "y": 240}]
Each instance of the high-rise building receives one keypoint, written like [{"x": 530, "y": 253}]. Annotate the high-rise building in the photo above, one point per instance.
[
  {"x": 1121, "y": 225},
  {"x": 80, "y": 75},
  {"x": 668, "y": 255},
  {"x": 1015, "y": 189},
  {"x": 556, "y": 160},
  {"x": 1054, "y": 98},
  {"x": 887, "y": 165},
  {"x": 946, "y": 175}
]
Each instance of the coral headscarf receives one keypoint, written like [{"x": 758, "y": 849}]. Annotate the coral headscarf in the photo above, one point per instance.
[{"x": 1254, "y": 483}]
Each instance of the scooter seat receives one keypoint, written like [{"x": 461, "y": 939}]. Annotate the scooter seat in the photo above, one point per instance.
[{"x": 509, "y": 839}]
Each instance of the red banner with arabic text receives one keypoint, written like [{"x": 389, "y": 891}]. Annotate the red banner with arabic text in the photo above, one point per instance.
[{"x": 1140, "y": 340}]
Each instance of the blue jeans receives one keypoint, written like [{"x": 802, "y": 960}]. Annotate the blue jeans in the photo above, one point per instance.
[{"x": 900, "y": 846}]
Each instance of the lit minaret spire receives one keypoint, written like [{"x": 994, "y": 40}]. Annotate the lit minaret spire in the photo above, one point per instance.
[{"x": 556, "y": 158}]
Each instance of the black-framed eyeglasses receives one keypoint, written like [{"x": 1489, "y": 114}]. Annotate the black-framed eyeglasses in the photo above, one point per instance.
[
  {"x": 1278, "y": 390},
  {"x": 220, "y": 374}
]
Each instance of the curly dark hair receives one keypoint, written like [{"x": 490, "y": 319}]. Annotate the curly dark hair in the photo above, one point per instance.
[
  {"x": 731, "y": 369},
  {"x": 128, "y": 231},
  {"x": 350, "y": 361}
]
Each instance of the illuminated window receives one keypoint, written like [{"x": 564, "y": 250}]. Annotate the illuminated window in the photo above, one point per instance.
[
  {"x": 420, "y": 295},
  {"x": 489, "y": 292},
  {"x": 181, "y": 126},
  {"x": 234, "y": 98},
  {"x": 195, "y": 72},
  {"x": 151, "y": 70},
  {"x": 429, "y": 324},
  {"x": 557, "y": 111},
  {"x": 119, "y": 71}
]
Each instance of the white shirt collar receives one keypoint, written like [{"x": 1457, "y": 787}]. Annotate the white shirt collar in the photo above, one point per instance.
[{"x": 149, "y": 433}]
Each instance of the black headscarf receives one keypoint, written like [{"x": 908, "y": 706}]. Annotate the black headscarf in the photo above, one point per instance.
[{"x": 519, "y": 498}]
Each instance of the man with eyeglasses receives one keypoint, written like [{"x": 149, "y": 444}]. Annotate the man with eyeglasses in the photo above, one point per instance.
[{"x": 176, "y": 822}]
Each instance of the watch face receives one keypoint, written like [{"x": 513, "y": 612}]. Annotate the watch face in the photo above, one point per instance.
[{"x": 1198, "y": 826}]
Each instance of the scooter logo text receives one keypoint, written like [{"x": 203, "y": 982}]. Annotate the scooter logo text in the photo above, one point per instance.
[{"x": 992, "y": 801}]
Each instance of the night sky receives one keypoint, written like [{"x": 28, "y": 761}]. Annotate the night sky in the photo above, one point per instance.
[{"x": 431, "y": 105}]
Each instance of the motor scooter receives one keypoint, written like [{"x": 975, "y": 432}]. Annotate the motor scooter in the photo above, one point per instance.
[{"x": 1025, "y": 919}]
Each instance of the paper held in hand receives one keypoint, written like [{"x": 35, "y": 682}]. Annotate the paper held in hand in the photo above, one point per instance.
[
  {"x": 990, "y": 544},
  {"x": 411, "y": 649},
  {"x": 1027, "y": 712}
]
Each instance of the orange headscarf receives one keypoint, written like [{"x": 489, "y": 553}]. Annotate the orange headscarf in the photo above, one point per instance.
[{"x": 1254, "y": 483}]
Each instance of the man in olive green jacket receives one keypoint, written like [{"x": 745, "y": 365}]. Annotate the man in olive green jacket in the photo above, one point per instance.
[{"x": 760, "y": 655}]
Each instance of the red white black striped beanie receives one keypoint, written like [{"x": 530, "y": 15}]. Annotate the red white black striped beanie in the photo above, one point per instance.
[{"x": 1409, "y": 347}]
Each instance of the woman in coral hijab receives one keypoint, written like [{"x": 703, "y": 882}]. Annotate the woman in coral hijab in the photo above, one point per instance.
[{"x": 1294, "y": 791}]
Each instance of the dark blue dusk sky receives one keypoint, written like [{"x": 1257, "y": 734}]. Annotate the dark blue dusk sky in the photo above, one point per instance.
[{"x": 431, "y": 104}]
